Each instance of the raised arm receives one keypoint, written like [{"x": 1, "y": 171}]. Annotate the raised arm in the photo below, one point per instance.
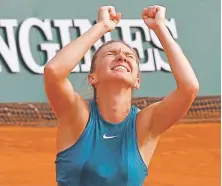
[
  {"x": 160, "y": 116},
  {"x": 62, "y": 98}
]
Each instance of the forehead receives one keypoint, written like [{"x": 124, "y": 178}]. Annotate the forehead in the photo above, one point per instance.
[{"x": 116, "y": 46}]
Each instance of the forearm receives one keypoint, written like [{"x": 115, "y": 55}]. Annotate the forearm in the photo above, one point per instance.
[
  {"x": 69, "y": 56},
  {"x": 180, "y": 66}
]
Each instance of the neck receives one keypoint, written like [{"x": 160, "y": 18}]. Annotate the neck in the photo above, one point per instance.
[{"x": 114, "y": 102}]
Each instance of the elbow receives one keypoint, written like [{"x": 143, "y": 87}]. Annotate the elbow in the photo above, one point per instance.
[
  {"x": 194, "y": 87},
  {"x": 50, "y": 73},
  {"x": 191, "y": 89}
]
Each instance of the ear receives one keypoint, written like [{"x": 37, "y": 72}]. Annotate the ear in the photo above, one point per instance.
[
  {"x": 137, "y": 84},
  {"x": 92, "y": 79}
]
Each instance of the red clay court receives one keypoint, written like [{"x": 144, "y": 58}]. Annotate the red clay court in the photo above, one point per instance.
[{"x": 187, "y": 155}]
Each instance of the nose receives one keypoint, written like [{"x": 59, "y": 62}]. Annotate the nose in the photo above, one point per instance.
[{"x": 121, "y": 57}]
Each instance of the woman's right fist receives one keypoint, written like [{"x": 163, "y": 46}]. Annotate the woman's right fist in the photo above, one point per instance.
[{"x": 108, "y": 17}]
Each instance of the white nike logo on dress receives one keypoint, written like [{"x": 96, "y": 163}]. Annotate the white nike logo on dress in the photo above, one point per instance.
[{"x": 108, "y": 137}]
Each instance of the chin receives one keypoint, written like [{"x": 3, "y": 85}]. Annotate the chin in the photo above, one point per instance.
[{"x": 122, "y": 78}]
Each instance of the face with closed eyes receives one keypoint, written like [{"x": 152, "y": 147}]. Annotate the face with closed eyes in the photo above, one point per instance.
[{"x": 116, "y": 63}]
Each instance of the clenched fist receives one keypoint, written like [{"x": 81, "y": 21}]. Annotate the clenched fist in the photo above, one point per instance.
[
  {"x": 108, "y": 16},
  {"x": 154, "y": 16}
]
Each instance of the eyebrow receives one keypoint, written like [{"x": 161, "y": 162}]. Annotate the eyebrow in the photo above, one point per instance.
[{"x": 117, "y": 51}]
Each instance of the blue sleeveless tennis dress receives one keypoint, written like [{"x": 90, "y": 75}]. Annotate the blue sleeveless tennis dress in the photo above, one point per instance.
[{"x": 105, "y": 154}]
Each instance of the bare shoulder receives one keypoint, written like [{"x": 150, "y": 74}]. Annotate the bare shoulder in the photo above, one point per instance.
[
  {"x": 144, "y": 116},
  {"x": 146, "y": 143},
  {"x": 71, "y": 126},
  {"x": 144, "y": 122},
  {"x": 78, "y": 114}
]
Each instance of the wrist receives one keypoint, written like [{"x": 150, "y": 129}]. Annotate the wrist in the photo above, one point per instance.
[
  {"x": 159, "y": 27},
  {"x": 162, "y": 31},
  {"x": 103, "y": 27}
]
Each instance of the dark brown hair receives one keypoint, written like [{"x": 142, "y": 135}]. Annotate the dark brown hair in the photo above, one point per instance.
[{"x": 93, "y": 64}]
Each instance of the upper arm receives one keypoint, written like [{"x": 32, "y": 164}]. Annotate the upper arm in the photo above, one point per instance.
[
  {"x": 60, "y": 95},
  {"x": 158, "y": 117},
  {"x": 170, "y": 110},
  {"x": 62, "y": 98}
]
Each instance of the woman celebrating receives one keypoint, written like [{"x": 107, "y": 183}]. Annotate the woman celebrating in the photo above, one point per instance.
[{"x": 107, "y": 141}]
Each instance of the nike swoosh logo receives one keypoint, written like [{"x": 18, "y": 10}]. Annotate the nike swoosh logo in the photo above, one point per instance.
[{"x": 108, "y": 137}]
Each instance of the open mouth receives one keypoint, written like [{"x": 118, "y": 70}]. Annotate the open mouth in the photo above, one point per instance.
[{"x": 120, "y": 68}]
